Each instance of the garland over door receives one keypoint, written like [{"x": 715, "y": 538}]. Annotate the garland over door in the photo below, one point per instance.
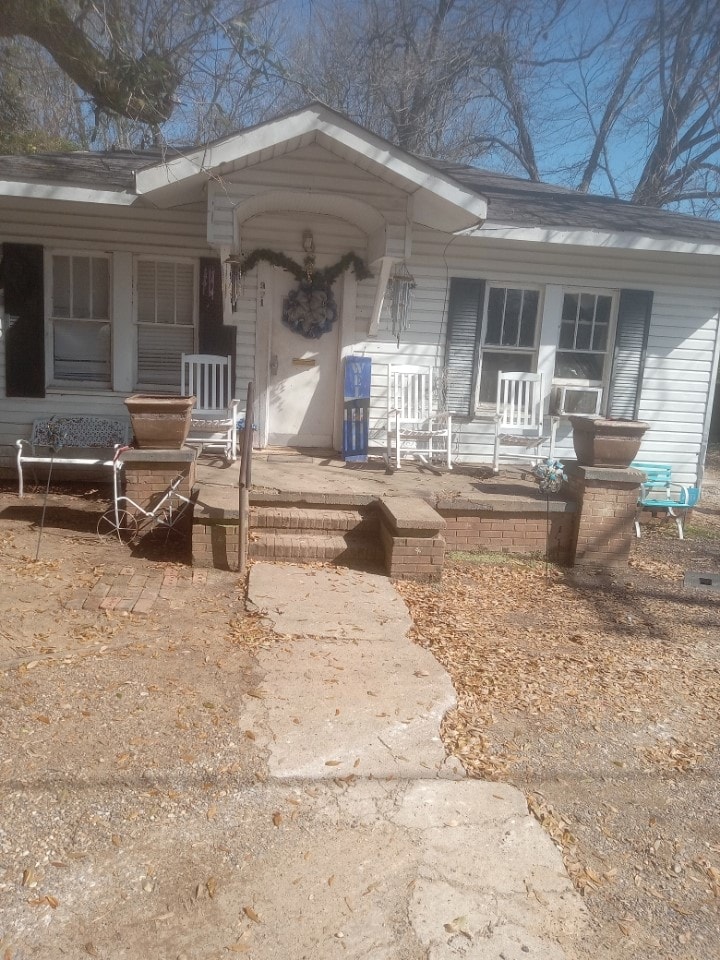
[{"x": 23, "y": 279}]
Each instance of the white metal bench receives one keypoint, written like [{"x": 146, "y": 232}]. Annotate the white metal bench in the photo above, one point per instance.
[
  {"x": 85, "y": 441},
  {"x": 658, "y": 492}
]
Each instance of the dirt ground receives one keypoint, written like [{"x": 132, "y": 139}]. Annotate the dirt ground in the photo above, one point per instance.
[
  {"x": 122, "y": 739},
  {"x": 600, "y": 699}
]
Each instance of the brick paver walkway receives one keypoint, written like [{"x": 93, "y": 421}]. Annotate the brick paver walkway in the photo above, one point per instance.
[{"x": 139, "y": 592}]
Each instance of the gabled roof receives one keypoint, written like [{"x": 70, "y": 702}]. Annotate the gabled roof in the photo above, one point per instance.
[
  {"x": 463, "y": 195},
  {"x": 438, "y": 199}
]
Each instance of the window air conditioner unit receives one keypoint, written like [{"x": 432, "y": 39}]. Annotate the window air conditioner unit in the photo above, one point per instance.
[{"x": 575, "y": 400}]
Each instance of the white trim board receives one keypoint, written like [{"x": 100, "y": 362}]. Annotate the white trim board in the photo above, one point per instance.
[
  {"x": 625, "y": 240},
  {"x": 33, "y": 190}
]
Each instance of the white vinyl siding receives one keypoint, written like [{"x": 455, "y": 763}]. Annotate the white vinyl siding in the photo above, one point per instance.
[
  {"x": 79, "y": 319},
  {"x": 165, "y": 316},
  {"x": 683, "y": 331}
]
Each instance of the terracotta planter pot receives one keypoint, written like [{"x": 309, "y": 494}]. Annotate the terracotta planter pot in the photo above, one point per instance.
[
  {"x": 606, "y": 443},
  {"x": 160, "y": 422}
]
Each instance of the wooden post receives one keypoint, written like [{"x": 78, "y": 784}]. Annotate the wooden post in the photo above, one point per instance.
[{"x": 244, "y": 481}]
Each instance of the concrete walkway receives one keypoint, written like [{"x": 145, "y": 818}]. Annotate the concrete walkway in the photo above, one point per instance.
[{"x": 391, "y": 854}]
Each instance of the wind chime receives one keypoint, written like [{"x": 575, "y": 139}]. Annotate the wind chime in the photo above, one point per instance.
[
  {"x": 233, "y": 277},
  {"x": 400, "y": 286}
]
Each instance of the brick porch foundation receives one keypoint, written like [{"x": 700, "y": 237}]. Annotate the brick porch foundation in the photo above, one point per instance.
[
  {"x": 409, "y": 536},
  {"x": 508, "y": 528}
]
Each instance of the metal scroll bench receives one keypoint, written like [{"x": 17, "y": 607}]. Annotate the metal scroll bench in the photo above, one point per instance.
[
  {"x": 85, "y": 441},
  {"x": 658, "y": 492}
]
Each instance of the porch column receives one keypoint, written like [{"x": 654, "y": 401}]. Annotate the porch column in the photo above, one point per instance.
[{"x": 606, "y": 500}]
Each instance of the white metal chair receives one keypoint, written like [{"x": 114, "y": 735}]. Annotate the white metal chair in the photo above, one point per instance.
[
  {"x": 214, "y": 417},
  {"x": 519, "y": 419},
  {"x": 414, "y": 428}
]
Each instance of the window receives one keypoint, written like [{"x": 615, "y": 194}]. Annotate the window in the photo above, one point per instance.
[
  {"x": 80, "y": 319},
  {"x": 584, "y": 337},
  {"x": 165, "y": 316},
  {"x": 509, "y": 336}
]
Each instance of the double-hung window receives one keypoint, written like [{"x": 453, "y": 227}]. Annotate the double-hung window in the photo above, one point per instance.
[
  {"x": 509, "y": 337},
  {"x": 165, "y": 293},
  {"x": 581, "y": 361},
  {"x": 80, "y": 319}
]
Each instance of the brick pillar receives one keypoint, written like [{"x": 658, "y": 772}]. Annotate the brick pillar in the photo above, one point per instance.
[
  {"x": 606, "y": 502},
  {"x": 148, "y": 473},
  {"x": 411, "y": 534}
]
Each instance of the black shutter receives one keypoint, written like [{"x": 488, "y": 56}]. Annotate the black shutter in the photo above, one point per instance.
[
  {"x": 631, "y": 337},
  {"x": 464, "y": 313},
  {"x": 22, "y": 277},
  {"x": 213, "y": 336}
]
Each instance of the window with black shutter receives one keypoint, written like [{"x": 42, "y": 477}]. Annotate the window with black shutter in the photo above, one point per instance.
[{"x": 492, "y": 327}]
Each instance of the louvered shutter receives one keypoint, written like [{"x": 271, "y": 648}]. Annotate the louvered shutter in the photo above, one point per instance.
[
  {"x": 214, "y": 336},
  {"x": 631, "y": 339},
  {"x": 165, "y": 309},
  {"x": 464, "y": 312},
  {"x": 22, "y": 276}
]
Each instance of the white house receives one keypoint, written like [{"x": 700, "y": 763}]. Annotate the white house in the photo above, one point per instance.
[{"x": 116, "y": 263}]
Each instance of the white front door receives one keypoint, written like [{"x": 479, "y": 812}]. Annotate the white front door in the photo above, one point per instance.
[{"x": 302, "y": 378}]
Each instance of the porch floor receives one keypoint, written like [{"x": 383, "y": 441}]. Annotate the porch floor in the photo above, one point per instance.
[{"x": 316, "y": 476}]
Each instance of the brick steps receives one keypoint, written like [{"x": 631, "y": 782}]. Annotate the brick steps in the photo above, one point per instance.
[
  {"x": 292, "y": 546},
  {"x": 307, "y": 533},
  {"x": 307, "y": 521}
]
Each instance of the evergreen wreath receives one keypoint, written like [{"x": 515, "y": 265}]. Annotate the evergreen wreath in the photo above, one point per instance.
[{"x": 310, "y": 310}]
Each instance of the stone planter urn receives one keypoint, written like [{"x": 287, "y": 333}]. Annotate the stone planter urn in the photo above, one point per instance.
[
  {"x": 600, "y": 442},
  {"x": 160, "y": 422}
]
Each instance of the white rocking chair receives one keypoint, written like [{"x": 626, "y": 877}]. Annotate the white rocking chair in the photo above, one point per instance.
[
  {"x": 414, "y": 429},
  {"x": 214, "y": 418},
  {"x": 519, "y": 419}
]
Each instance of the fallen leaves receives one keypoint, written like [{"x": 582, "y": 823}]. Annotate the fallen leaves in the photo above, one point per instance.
[
  {"x": 520, "y": 642},
  {"x": 31, "y": 877},
  {"x": 674, "y": 755},
  {"x": 712, "y": 874},
  {"x": 47, "y": 900},
  {"x": 251, "y": 914}
]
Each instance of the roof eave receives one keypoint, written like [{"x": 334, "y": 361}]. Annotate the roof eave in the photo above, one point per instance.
[
  {"x": 603, "y": 239},
  {"x": 34, "y": 190}
]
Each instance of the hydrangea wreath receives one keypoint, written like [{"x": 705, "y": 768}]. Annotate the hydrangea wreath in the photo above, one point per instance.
[{"x": 310, "y": 309}]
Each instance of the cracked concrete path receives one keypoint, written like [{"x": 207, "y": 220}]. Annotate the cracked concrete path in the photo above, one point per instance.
[{"x": 389, "y": 854}]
